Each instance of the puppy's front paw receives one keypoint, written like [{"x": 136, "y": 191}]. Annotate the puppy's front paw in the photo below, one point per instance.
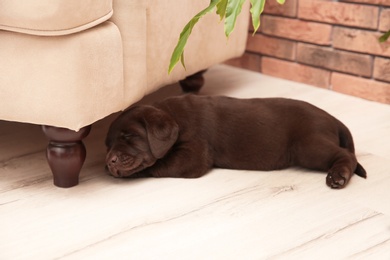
[
  {"x": 338, "y": 178},
  {"x": 141, "y": 174}
]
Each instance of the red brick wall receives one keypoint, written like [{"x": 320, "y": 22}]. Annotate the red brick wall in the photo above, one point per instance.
[{"x": 325, "y": 43}]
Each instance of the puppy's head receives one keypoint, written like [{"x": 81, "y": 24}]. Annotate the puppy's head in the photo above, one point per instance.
[{"x": 138, "y": 138}]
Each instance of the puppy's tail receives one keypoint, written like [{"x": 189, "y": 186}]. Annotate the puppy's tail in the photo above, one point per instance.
[
  {"x": 360, "y": 171},
  {"x": 346, "y": 141}
]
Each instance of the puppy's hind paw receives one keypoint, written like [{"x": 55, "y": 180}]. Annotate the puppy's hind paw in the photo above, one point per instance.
[{"x": 337, "y": 179}]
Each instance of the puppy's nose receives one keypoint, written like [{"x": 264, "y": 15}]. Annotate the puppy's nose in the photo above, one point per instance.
[{"x": 114, "y": 159}]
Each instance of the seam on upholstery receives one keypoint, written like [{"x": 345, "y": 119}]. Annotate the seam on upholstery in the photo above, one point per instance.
[{"x": 58, "y": 32}]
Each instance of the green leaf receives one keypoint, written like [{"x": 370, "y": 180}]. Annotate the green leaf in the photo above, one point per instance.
[
  {"x": 256, "y": 10},
  {"x": 280, "y": 1},
  {"x": 384, "y": 37},
  {"x": 233, "y": 9},
  {"x": 182, "y": 61},
  {"x": 179, "y": 49},
  {"x": 221, "y": 8}
]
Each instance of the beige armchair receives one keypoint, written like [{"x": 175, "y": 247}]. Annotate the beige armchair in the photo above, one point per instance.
[{"x": 65, "y": 64}]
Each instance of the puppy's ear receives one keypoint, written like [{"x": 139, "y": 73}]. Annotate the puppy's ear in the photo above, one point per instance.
[{"x": 162, "y": 131}]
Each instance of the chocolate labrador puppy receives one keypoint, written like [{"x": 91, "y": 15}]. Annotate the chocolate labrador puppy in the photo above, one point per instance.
[{"x": 186, "y": 136}]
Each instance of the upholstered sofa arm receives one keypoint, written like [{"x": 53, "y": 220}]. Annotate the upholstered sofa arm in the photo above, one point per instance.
[{"x": 53, "y": 17}]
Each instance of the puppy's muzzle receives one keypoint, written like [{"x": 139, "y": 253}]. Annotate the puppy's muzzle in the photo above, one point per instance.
[
  {"x": 122, "y": 165},
  {"x": 112, "y": 163}
]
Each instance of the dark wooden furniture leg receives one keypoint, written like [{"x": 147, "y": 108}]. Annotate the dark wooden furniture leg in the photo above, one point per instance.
[
  {"x": 65, "y": 154},
  {"x": 193, "y": 83}
]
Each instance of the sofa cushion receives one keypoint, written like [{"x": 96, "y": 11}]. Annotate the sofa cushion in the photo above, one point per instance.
[{"x": 53, "y": 17}]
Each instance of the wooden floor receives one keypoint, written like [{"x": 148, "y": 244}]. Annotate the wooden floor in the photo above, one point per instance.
[{"x": 289, "y": 214}]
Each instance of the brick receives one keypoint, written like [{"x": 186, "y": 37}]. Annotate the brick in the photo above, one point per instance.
[
  {"x": 382, "y": 69},
  {"x": 355, "y": 15},
  {"x": 247, "y": 61},
  {"x": 289, "y": 8},
  {"x": 328, "y": 58},
  {"x": 297, "y": 30},
  {"x": 384, "y": 21},
  {"x": 361, "y": 87},
  {"x": 251, "y": 29},
  {"x": 372, "y": 2},
  {"x": 295, "y": 72},
  {"x": 360, "y": 41},
  {"x": 271, "y": 46}
]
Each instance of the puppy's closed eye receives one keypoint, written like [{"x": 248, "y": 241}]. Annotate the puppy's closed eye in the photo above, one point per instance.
[{"x": 129, "y": 136}]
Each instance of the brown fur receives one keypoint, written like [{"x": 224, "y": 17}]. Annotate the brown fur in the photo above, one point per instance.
[{"x": 186, "y": 136}]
